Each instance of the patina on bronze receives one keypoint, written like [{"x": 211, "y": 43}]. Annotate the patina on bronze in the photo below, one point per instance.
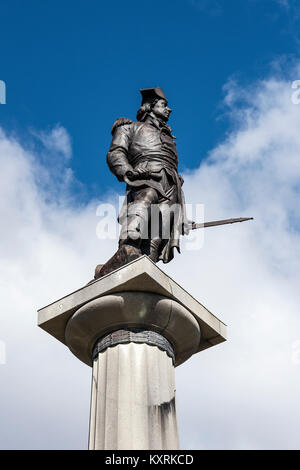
[{"x": 143, "y": 154}]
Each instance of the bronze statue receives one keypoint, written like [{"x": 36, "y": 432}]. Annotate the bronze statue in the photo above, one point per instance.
[{"x": 143, "y": 154}]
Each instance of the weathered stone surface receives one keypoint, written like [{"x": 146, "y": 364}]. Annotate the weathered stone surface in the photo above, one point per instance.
[
  {"x": 134, "y": 335},
  {"x": 144, "y": 310},
  {"x": 142, "y": 275},
  {"x": 133, "y": 399}
]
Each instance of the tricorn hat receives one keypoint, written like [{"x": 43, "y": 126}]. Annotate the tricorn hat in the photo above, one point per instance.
[{"x": 150, "y": 94}]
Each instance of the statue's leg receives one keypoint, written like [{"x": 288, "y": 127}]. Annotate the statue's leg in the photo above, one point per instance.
[
  {"x": 134, "y": 228},
  {"x": 162, "y": 225},
  {"x": 136, "y": 222},
  {"x": 155, "y": 246}
]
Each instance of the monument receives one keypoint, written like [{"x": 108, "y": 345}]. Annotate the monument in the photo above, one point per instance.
[{"x": 133, "y": 324}]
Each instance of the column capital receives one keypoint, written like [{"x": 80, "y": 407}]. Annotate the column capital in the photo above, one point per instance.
[{"x": 137, "y": 295}]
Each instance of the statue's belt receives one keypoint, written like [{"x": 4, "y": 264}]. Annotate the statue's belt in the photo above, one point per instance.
[
  {"x": 146, "y": 182},
  {"x": 156, "y": 184},
  {"x": 166, "y": 159}
]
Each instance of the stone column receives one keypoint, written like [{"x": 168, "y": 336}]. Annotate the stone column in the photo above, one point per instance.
[
  {"x": 133, "y": 398},
  {"x": 133, "y": 340},
  {"x": 133, "y": 393}
]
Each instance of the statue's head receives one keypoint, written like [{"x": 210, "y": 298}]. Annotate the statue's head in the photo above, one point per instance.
[{"x": 153, "y": 101}]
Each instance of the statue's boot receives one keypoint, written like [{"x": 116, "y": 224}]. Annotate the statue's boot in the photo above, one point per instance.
[
  {"x": 133, "y": 230},
  {"x": 125, "y": 254}
]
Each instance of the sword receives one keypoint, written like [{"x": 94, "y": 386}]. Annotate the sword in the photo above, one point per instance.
[{"x": 194, "y": 226}]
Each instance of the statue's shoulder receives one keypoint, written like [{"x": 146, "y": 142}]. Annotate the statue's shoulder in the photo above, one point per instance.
[{"x": 120, "y": 122}]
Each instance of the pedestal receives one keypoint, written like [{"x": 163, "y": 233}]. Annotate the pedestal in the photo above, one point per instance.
[{"x": 133, "y": 326}]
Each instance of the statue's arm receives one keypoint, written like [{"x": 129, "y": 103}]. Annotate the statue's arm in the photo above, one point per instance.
[{"x": 117, "y": 155}]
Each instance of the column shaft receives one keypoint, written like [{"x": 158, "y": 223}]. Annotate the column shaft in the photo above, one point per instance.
[{"x": 133, "y": 399}]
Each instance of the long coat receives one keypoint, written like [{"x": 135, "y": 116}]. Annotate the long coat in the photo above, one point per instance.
[{"x": 149, "y": 145}]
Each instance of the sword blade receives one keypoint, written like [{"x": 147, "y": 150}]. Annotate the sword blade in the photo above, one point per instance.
[{"x": 219, "y": 222}]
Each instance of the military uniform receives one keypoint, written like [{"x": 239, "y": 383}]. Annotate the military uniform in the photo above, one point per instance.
[{"x": 148, "y": 146}]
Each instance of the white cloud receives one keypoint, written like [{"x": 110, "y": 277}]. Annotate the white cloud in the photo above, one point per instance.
[
  {"x": 245, "y": 391},
  {"x": 241, "y": 394},
  {"x": 56, "y": 140},
  {"x": 48, "y": 248}
]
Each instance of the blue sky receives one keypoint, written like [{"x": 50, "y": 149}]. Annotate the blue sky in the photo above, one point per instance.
[
  {"x": 227, "y": 66},
  {"x": 81, "y": 65}
]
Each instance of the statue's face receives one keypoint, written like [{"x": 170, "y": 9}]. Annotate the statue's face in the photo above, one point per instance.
[{"x": 162, "y": 110}]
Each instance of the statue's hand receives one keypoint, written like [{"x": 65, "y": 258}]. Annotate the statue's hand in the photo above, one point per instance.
[{"x": 138, "y": 174}]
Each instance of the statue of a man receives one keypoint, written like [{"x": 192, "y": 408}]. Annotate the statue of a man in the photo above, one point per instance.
[{"x": 144, "y": 155}]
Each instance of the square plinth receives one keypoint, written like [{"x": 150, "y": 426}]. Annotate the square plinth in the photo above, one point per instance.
[{"x": 139, "y": 275}]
